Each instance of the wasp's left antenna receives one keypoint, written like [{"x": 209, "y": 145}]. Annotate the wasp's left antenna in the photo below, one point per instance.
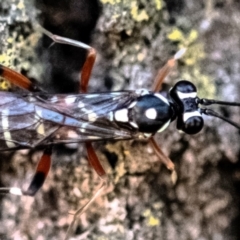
[
  {"x": 207, "y": 102},
  {"x": 210, "y": 112}
]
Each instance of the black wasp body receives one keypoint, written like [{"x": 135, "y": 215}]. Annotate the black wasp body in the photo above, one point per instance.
[{"x": 29, "y": 120}]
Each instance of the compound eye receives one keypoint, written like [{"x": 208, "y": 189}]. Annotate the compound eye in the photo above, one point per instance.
[{"x": 193, "y": 125}]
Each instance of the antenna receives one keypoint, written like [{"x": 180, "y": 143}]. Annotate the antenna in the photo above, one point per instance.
[
  {"x": 207, "y": 102},
  {"x": 210, "y": 112}
]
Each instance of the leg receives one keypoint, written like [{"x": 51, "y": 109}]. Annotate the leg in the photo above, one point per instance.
[
  {"x": 165, "y": 70},
  {"x": 16, "y": 78},
  {"x": 90, "y": 59},
  {"x": 92, "y": 157},
  {"x": 85, "y": 76},
  {"x": 39, "y": 177},
  {"x": 84, "y": 208},
  {"x": 162, "y": 157},
  {"x": 87, "y": 69},
  {"x": 45, "y": 161}
]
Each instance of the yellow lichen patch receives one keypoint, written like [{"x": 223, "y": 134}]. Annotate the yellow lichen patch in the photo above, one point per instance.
[
  {"x": 195, "y": 50},
  {"x": 193, "y": 35},
  {"x": 159, "y": 4},
  {"x": 151, "y": 220},
  {"x": 204, "y": 83},
  {"x": 138, "y": 15},
  {"x": 2, "y": 58},
  {"x": 21, "y": 5},
  {"x": 194, "y": 54},
  {"x": 4, "y": 84},
  {"x": 184, "y": 40},
  {"x": 176, "y": 35},
  {"x": 192, "y": 59},
  {"x": 112, "y": 2},
  {"x": 6, "y": 59}
]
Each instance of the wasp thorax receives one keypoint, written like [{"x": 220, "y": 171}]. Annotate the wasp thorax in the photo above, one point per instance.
[{"x": 150, "y": 113}]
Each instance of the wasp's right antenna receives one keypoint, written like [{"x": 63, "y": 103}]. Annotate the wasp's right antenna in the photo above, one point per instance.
[
  {"x": 207, "y": 102},
  {"x": 210, "y": 112}
]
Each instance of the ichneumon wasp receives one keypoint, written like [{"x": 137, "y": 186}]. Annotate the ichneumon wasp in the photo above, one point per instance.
[{"x": 35, "y": 118}]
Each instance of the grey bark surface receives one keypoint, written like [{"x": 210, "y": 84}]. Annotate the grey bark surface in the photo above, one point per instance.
[{"x": 134, "y": 39}]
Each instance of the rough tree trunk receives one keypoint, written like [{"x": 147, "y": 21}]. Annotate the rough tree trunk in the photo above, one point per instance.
[{"x": 133, "y": 39}]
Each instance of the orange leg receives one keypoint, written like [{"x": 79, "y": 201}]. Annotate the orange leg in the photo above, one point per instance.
[
  {"x": 44, "y": 163},
  {"x": 41, "y": 173},
  {"x": 157, "y": 85},
  {"x": 85, "y": 76},
  {"x": 92, "y": 157},
  {"x": 15, "y": 78},
  {"x": 38, "y": 179},
  {"x": 87, "y": 69},
  {"x": 166, "y": 69},
  {"x": 162, "y": 157}
]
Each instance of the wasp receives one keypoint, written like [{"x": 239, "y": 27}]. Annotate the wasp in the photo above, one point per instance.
[{"x": 34, "y": 118}]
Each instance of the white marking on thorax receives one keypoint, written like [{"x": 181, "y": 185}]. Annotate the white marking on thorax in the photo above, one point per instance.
[
  {"x": 188, "y": 115},
  {"x": 151, "y": 113},
  {"x": 6, "y": 132},
  {"x": 121, "y": 115},
  {"x": 164, "y": 126},
  {"x": 70, "y": 100},
  {"x": 186, "y": 95},
  {"x": 161, "y": 97}
]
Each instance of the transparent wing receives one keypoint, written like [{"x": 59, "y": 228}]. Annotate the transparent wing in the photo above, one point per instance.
[{"x": 30, "y": 120}]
